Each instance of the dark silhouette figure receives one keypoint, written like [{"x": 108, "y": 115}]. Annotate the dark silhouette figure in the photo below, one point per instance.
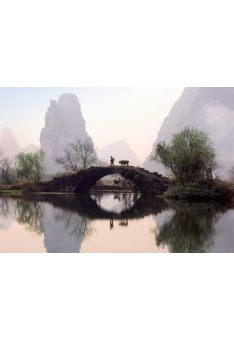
[
  {"x": 123, "y": 222},
  {"x": 124, "y": 163},
  {"x": 111, "y": 223},
  {"x": 112, "y": 161}
]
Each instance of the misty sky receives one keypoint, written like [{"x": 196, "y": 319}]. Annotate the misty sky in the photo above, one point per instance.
[{"x": 111, "y": 114}]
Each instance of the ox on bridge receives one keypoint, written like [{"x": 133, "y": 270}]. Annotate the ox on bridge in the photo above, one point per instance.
[{"x": 145, "y": 182}]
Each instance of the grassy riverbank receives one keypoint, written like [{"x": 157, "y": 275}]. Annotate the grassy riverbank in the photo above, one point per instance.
[
  {"x": 11, "y": 193},
  {"x": 28, "y": 188},
  {"x": 214, "y": 190},
  {"x": 21, "y": 189}
]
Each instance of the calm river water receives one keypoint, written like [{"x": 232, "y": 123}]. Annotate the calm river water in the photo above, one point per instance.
[{"x": 113, "y": 223}]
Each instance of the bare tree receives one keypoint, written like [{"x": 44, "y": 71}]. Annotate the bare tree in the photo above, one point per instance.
[
  {"x": 6, "y": 171},
  {"x": 81, "y": 155},
  {"x": 231, "y": 174}
]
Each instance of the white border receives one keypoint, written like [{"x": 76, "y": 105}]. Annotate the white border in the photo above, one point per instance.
[{"x": 116, "y": 43}]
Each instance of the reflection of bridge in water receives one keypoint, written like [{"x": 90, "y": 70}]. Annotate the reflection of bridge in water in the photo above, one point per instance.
[
  {"x": 66, "y": 220},
  {"x": 85, "y": 206}
]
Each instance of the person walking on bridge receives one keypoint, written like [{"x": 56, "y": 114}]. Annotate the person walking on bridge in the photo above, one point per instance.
[{"x": 112, "y": 161}]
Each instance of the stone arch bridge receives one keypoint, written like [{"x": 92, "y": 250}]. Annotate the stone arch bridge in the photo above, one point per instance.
[{"x": 145, "y": 182}]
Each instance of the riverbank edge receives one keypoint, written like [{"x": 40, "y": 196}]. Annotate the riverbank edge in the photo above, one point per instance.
[
  {"x": 22, "y": 193},
  {"x": 215, "y": 190}
]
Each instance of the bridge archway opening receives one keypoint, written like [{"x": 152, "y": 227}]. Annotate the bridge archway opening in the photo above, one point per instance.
[{"x": 114, "y": 182}]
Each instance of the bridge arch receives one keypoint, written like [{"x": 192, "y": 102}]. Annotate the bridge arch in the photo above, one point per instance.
[
  {"x": 91, "y": 176},
  {"x": 144, "y": 181},
  {"x": 80, "y": 183}
]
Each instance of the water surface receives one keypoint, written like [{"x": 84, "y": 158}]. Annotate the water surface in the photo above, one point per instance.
[{"x": 117, "y": 222}]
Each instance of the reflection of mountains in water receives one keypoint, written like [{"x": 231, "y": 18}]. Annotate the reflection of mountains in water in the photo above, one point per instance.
[
  {"x": 63, "y": 229},
  {"x": 181, "y": 227},
  {"x": 73, "y": 216},
  {"x": 65, "y": 219}
]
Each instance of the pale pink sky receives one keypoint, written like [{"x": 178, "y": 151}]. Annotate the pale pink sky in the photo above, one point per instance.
[{"x": 133, "y": 114}]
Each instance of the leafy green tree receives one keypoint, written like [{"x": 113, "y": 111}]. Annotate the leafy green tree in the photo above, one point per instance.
[
  {"x": 190, "y": 157},
  {"x": 38, "y": 168},
  {"x": 29, "y": 166}
]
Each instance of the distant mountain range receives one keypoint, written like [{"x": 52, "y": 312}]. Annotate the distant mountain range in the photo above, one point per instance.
[
  {"x": 10, "y": 147},
  {"x": 119, "y": 150},
  {"x": 64, "y": 124},
  {"x": 210, "y": 109}
]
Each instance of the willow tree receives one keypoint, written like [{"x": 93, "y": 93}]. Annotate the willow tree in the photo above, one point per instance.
[
  {"x": 190, "y": 156},
  {"x": 29, "y": 166}
]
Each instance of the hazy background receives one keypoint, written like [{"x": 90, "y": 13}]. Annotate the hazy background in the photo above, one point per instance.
[{"x": 133, "y": 114}]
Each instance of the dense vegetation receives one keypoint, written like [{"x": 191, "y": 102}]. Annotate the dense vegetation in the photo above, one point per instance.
[
  {"x": 215, "y": 190},
  {"x": 190, "y": 157},
  {"x": 27, "y": 167},
  {"x": 190, "y": 161}
]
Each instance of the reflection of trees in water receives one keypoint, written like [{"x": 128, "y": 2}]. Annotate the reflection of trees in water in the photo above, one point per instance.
[
  {"x": 190, "y": 229},
  {"x": 4, "y": 206},
  {"x": 6, "y": 213},
  {"x": 73, "y": 214},
  {"x": 77, "y": 226},
  {"x": 30, "y": 214},
  {"x": 129, "y": 200}
]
